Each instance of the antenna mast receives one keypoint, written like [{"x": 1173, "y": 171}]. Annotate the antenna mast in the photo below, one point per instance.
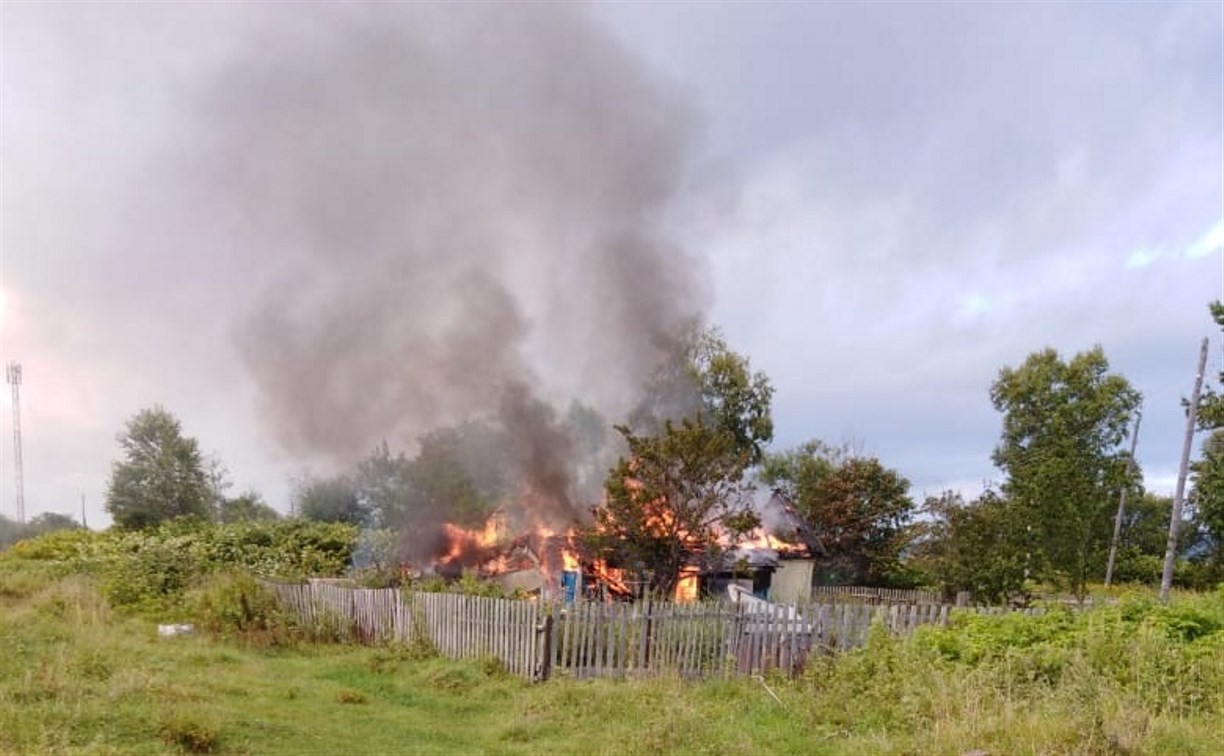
[{"x": 12, "y": 374}]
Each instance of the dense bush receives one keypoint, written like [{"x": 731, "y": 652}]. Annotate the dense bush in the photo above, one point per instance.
[
  {"x": 1170, "y": 657},
  {"x": 151, "y": 570},
  {"x": 238, "y": 607}
]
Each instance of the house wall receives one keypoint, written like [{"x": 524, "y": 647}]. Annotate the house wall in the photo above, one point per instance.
[{"x": 792, "y": 582}]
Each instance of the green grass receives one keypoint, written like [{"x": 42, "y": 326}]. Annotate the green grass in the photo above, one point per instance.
[{"x": 79, "y": 677}]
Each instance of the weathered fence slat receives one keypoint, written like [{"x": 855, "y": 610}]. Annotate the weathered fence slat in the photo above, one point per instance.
[{"x": 594, "y": 639}]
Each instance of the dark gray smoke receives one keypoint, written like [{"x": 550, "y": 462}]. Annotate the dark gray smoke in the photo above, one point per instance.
[
  {"x": 457, "y": 199},
  {"x": 464, "y": 209}
]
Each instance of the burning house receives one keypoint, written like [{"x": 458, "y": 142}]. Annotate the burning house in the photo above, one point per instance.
[{"x": 775, "y": 562}]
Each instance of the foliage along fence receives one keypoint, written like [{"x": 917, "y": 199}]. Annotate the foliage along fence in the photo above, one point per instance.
[{"x": 538, "y": 640}]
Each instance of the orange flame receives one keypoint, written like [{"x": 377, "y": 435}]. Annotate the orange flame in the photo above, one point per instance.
[
  {"x": 611, "y": 577},
  {"x": 686, "y": 586}
]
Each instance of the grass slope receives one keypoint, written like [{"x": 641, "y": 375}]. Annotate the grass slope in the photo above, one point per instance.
[{"x": 78, "y": 677}]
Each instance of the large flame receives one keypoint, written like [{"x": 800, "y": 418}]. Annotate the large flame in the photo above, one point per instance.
[{"x": 493, "y": 550}]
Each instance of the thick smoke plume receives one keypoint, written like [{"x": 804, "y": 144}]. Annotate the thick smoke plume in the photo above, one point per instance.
[{"x": 465, "y": 209}]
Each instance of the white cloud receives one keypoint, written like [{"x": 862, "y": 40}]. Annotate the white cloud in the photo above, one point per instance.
[
  {"x": 1212, "y": 241},
  {"x": 1141, "y": 258}
]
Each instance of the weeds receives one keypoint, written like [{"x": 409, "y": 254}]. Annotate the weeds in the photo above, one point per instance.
[
  {"x": 1132, "y": 677},
  {"x": 189, "y": 734}
]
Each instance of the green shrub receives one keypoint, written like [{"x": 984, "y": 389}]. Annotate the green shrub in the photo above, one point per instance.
[
  {"x": 236, "y": 606},
  {"x": 150, "y": 571}
]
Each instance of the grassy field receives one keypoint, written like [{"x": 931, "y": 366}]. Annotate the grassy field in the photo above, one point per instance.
[{"x": 78, "y": 677}]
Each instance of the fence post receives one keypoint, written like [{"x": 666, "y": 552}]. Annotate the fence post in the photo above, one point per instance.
[{"x": 545, "y": 631}]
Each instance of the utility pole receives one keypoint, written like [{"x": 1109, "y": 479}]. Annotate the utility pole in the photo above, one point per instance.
[
  {"x": 1117, "y": 534},
  {"x": 83, "y": 523},
  {"x": 1166, "y": 578},
  {"x": 12, "y": 374}
]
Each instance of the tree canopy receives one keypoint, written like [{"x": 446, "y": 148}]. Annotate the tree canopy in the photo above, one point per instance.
[
  {"x": 1207, "y": 495},
  {"x": 669, "y": 500},
  {"x": 703, "y": 376},
  {"x": 161, "y": 475},
  {"x": 246, "y": 507},
  {"x": 680, "y": 493},
  {"x": 12, "y": 531},
  {"x": 333, "y": 499},
  {"x": 858, "y": 507},
  {"x": 1063, "y": 425},
  {"x": 976, "y": 546}
]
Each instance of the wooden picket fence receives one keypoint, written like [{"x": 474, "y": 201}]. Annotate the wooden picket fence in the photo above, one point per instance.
[
  {"x": 456, "y": 625},
  {"x": 873, "y": 595},
  {"x": 537, "y": 640}
]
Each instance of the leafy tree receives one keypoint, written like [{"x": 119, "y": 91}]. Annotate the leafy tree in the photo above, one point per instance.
[
  {"x": 1211, "y": 403},
  {"x": 1207, "y": 495},
  {"x": 977, "y": 546},
  {"x": 670, "y": 499},
  {"x": 330, "y": 500},
  {"x": 439, "y": 484},
  {"x": 12, "y": 531},
  {"x": 797, "y": 472},
  {"x": 679, "y": 493},
  {"x": 703, "y": 376},
  {"x": 860, "y": 512},
  {"x": 248, "y": 507},
  {"x": 218, "y": 477},
  {"x": 1207, "y": 498},
  {"x": 1145, "y": 533},
  {"x": 1063, "y": 424},
  {"x": 49, "y": 522},
  {"x": 161, "y": 476},
  {"x": 858, "y": 507}
]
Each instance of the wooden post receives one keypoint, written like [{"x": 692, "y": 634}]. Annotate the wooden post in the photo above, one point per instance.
[
  {"x": 545, "y": 629},
  {"x": 1166, "y": 579},
  {"x": 1117, "y": 533}
]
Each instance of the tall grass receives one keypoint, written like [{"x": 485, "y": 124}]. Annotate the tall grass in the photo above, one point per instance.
[{"x": 77, "y": 676}]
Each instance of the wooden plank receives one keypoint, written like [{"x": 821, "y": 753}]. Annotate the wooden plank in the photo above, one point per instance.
[
  {"x": 526, "y": 636},
  {"x": 563, "y": 615},
  {"x": 642, "y": 614},
  {"x": 684, "y": 627},
  {"x": 581, "y": 627}
]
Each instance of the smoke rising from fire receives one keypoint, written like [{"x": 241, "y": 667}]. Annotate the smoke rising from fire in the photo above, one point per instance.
[{"x": 464, "y": 211}]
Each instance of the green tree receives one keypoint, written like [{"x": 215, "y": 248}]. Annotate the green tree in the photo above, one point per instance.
[
  {"x": 12, "y": 531},
  {"x": 703, "y": 376},
  {"x": 1063, "y": 425},
  {"x": 977, "y": 546},
  {"x": 679, "y": 495},
  {"x": 1207, "y": 498},
  {"x": 858, "y": 507},
  {"x": 444, "y": 482},
  {"x": 161, "y": 475},
  {"x": 247, "y": 507},
  {"x": 860, "y": 512},
  {"x": 330, "y": 500},
  {"x": 1207, "y": 495},
  {"x": 1145, "y": 533},
  {"x": 797, "y": 472},
  {"x": 671, "y": 502}
]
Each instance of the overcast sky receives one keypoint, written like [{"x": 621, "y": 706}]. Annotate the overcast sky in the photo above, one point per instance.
[{"x": 881, "y": 204}]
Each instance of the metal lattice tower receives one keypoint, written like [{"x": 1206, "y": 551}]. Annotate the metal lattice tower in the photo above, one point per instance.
[{"x": 12, "y": 374}]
